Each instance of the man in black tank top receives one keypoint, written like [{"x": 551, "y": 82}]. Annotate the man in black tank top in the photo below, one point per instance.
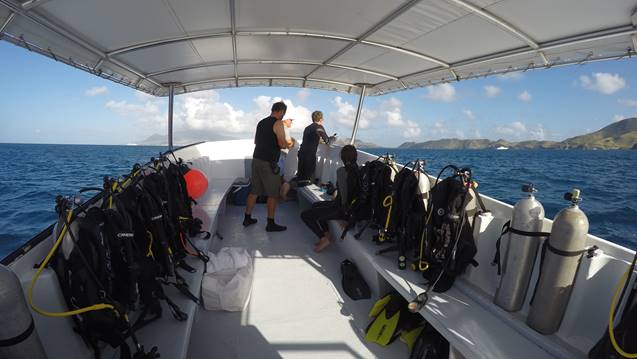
[
  {"x": 312, "y": 135},
  {"x": 266, "y": 180}
]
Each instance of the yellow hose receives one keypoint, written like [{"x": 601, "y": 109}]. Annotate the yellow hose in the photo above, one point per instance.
[
  {"x": 387, "y": 203},
  {"x": 115, "y": 186},
  {"x": 46, "y": 260},
  {"x": 611, "y": 318}
]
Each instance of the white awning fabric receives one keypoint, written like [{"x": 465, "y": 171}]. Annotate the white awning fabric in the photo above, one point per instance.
[{"x": 389, "y": 45}]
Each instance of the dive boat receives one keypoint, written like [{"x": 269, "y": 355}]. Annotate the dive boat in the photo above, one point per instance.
[
  {"x": 501, "y": 148},
  {"x": 298, "y": 307}
]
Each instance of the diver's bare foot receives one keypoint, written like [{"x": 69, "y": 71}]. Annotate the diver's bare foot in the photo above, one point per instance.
[{"x": 322, "y": 244}]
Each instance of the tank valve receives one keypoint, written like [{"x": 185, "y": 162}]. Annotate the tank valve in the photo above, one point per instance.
[
  {"x": 529, "y": 188},
  {"x": 574, "y": 196}
]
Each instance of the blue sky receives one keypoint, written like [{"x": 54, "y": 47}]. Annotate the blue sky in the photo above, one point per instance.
[{"x": 47, "y": 102}]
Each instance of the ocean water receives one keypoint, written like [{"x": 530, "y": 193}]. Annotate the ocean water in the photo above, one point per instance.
[{"x": 33, "y": 175}]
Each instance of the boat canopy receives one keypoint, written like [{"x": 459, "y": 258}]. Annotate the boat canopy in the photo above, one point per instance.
[{"x": 386, "y": 45}]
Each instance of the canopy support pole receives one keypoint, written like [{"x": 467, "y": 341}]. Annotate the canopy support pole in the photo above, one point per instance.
[
  {"x": 359, "y": 109},
  {"x": 171, "y": 98}
]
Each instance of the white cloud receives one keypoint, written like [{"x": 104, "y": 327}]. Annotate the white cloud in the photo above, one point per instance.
[
  {"x": 491, "y": 91},
  {"x": 37, "y": 130},
  {"x": 538, "y": 132},
  {"x": 525, "y": 96},
  {"x": 391, "y": 110},
  {"x": 442, "y": 92},
  {"x": 477, "y": 134},
  {"x": 513, "y": 76},
  {"x": 628, "y": 102},
  {"x": 438, "y": 129},
  {"x": 412, "y": 130},
  {"x": 303, "y": 94},
  {"x": 346, "y": 113},
  {"x": 603, "y": 82},
  {"x": 204, "y": 111},
  {"x": 469, "y": 114},
  {"x": 148, "y": 113},
  {"x": 514, "y": 128},
  {"x": 97, "y": 90},
  {"x": 521, "y": 131},
  {"x": 618, "y": 118},
  {"x": 459, "y": 134}
]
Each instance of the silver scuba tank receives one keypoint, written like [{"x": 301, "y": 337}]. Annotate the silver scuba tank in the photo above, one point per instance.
[
  {"x": 18, "y": 337},
  {"x": 561, "y": 258},
  {"x": 521, "y": 252},
  {"x": 424, "y": 186}
]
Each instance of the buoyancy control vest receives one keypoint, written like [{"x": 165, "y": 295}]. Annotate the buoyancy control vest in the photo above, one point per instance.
[
  {"x": 181, "y": 209},
  {"x": 449, "y": 246},
  {"x": 92, "y": 268},
  {"x": 374, "y": 183},
  {"x": 405, "y": 222},
  {"x": 412, "y": 214},
  {"x": 383, "y": 170}
]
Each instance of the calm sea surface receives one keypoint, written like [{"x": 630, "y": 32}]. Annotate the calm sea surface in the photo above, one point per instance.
[{"x": 34, "y": 174}]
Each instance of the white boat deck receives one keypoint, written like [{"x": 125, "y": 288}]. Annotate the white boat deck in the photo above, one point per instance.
[{"x": 297, "y": 308}]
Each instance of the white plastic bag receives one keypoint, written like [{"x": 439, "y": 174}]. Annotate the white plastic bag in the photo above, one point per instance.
[{"x": 228, "y": 281}]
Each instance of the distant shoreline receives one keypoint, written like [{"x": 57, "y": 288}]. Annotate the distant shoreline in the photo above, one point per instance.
[{"x": 361, "y": 148}]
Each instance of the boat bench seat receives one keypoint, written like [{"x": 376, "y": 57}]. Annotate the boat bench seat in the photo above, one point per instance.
[{"x": 468, "y": 322}]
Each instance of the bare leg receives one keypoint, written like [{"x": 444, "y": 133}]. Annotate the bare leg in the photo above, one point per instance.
[
  {"x": 252, "y": 200},
  {"x": 271, "y": 205},
  {"x": 285, "y": 188}
]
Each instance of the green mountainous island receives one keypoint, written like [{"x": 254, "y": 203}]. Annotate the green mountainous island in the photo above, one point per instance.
[{"x": 620, "y": 135}]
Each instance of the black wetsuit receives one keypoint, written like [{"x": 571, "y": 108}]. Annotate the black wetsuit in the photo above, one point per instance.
[
  {"x": 307, "y": 153},
  {"x": 317, "y": 216}
]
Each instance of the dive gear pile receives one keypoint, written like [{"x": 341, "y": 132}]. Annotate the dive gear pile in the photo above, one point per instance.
[
  {"x": 427, "y": 225},
  {"x": 446, "y": 245},
  {"x": 113, "y": 258}
]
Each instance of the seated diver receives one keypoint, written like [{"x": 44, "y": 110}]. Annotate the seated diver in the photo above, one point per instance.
[{"x": 346, "y": 184}]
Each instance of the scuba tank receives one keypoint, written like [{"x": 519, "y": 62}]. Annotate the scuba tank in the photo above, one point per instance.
[
  {"x": 561, "y": 254},
  {"x": 424, "y": 186},
  {"x": 18, "y": 337},
  {"x": 524, "y": 241}
]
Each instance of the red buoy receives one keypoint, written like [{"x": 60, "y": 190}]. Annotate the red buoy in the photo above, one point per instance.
[{"x": 196, "y": 183}]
